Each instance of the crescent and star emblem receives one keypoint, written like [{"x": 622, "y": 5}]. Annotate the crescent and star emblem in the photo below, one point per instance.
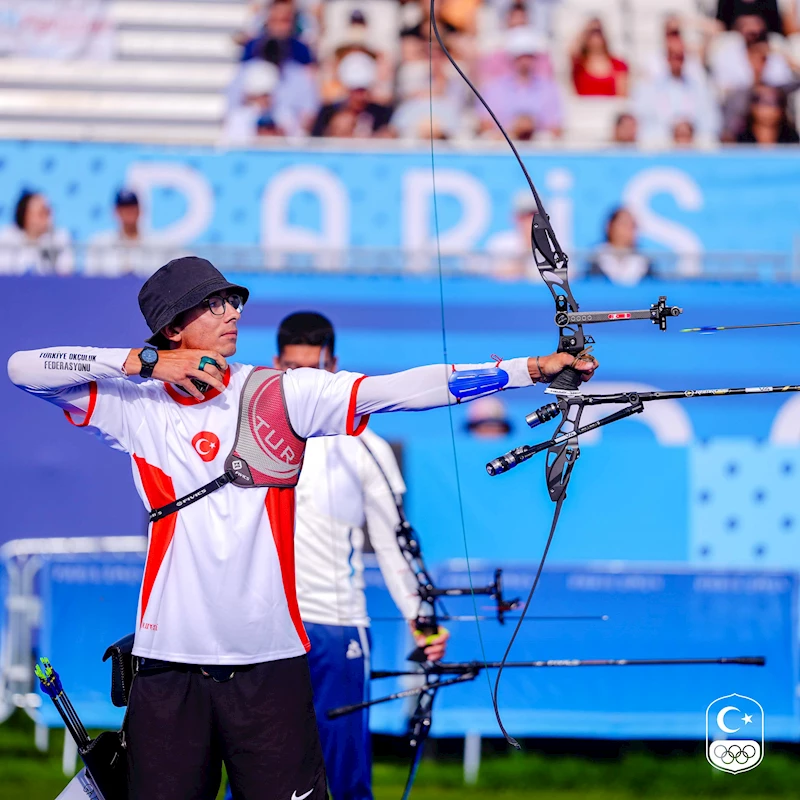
[
  {"x": 206, "y": 445},
  {"x": 747, "y": 719}
]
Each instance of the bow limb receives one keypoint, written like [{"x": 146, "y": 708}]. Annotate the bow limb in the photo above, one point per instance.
[
  {"x": 552, "y": 263},
  {"x": 561, "y": 458}
]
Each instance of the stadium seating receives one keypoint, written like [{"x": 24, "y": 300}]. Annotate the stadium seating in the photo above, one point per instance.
[
  {"x": 173, "y": 62},
  {"x": 590, "y": 120}
]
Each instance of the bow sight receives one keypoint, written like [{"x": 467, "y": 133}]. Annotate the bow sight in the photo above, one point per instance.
[
  {"x": 552, "y": 263},
  {"x": 571, "y": 338},
  {"x": 657, "y": 314}
]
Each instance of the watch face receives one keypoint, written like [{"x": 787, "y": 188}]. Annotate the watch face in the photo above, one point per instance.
[{"x": 149, "y": 356}]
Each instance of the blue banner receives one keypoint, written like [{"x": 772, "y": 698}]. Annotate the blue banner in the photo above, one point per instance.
[
  {"x": 652, "y": 614},
  {"x": 89, "y": 601},
  {"x": 687, "y": 203}
]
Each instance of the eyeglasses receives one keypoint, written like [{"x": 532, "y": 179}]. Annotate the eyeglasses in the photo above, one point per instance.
[{"x": 216, "y": 303}]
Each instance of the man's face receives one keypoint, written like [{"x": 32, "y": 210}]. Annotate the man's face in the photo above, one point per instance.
[
  {"x": 357, "y": 99},
  {"x": 626, "y": 130},
  {"x": 201, "y": 329},
  {"x": 128, "y": 215},
  {"x": 295, "y": 356},
  {"x": 280, "y": 21},
  {"x": 675, "y": 58},
  {"x": 342, "y": 124}
]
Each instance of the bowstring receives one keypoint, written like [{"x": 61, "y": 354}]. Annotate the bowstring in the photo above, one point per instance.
[
  {"x": 494, "y": 692},
  {"x": 509, "y": 738},
  {"x": 445, "y": 359}
]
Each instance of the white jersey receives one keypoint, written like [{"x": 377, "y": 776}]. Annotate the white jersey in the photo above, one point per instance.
[
  {"x": 219, "y": 579},
  {"x": 341, "y": 489}
]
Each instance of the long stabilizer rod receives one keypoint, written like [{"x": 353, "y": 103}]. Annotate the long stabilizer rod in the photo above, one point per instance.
[
  {"x": 469, "y": 666},
  {"x": 468, "y": 671}
]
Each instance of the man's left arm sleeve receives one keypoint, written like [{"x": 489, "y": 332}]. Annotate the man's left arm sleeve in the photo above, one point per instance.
[
  {"x": 324, "y": 404},
  {"x": 423, "y": 388}
]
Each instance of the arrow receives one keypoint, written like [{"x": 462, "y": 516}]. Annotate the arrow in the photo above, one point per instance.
[{"x": 713, "y": 329}]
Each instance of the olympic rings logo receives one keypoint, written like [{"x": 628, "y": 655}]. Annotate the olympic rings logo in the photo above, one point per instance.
[{"x": 734, "y": 753}]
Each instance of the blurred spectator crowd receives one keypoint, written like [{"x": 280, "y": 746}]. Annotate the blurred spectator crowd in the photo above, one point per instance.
[
  {"x": 32, "y": 244},
  {"x": 653, "y": 72}
]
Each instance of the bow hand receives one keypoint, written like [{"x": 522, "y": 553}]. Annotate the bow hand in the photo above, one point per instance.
[
  {"x": 558, "y": 368},
  {"x": 431, "y": 641}
]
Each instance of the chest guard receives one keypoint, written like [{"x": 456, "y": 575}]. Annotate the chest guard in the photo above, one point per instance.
[{"x": 267, "y": 453}]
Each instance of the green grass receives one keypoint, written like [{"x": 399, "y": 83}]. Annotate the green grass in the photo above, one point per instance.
[
  {"x": 638, "y": 775},
  {"x": 26, "y": 774}
]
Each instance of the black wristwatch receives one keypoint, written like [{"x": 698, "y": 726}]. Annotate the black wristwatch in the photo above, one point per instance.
[{"x": 149, "y": 359}]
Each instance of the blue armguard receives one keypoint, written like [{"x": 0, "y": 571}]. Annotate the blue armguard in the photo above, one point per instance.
[{"x": 468, "y": 383}]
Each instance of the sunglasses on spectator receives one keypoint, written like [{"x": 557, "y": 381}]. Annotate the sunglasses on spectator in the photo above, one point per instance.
[{"x": 216, "y": 303}]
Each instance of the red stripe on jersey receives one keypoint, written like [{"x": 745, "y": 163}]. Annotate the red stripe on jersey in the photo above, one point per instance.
[
  {"x": 159, "y": 490},
  {"x": 188, "y": 400},
  {"x": 89, "y": 410},
  {"x": 280, "y": 504},
  {"x": 350, "y": 428}
]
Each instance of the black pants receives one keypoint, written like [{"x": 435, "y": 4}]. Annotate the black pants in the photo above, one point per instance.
[{"x": 182, "y": 725}]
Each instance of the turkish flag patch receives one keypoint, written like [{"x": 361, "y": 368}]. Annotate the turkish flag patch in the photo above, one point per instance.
[{"x": 206, "y": 445}]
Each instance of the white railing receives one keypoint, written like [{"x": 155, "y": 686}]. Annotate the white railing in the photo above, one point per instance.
[{"x": 143, "y": 260}]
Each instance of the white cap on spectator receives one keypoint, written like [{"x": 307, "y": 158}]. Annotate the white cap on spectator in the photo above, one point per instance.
[
  {"x": 357, "y": 71},
  {"x": 259, "y": 77},
  {"x": 524, "y": 41}
]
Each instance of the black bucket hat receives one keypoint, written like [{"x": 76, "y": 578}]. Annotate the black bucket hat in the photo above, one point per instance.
[{"x": 176, "y": 287}]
